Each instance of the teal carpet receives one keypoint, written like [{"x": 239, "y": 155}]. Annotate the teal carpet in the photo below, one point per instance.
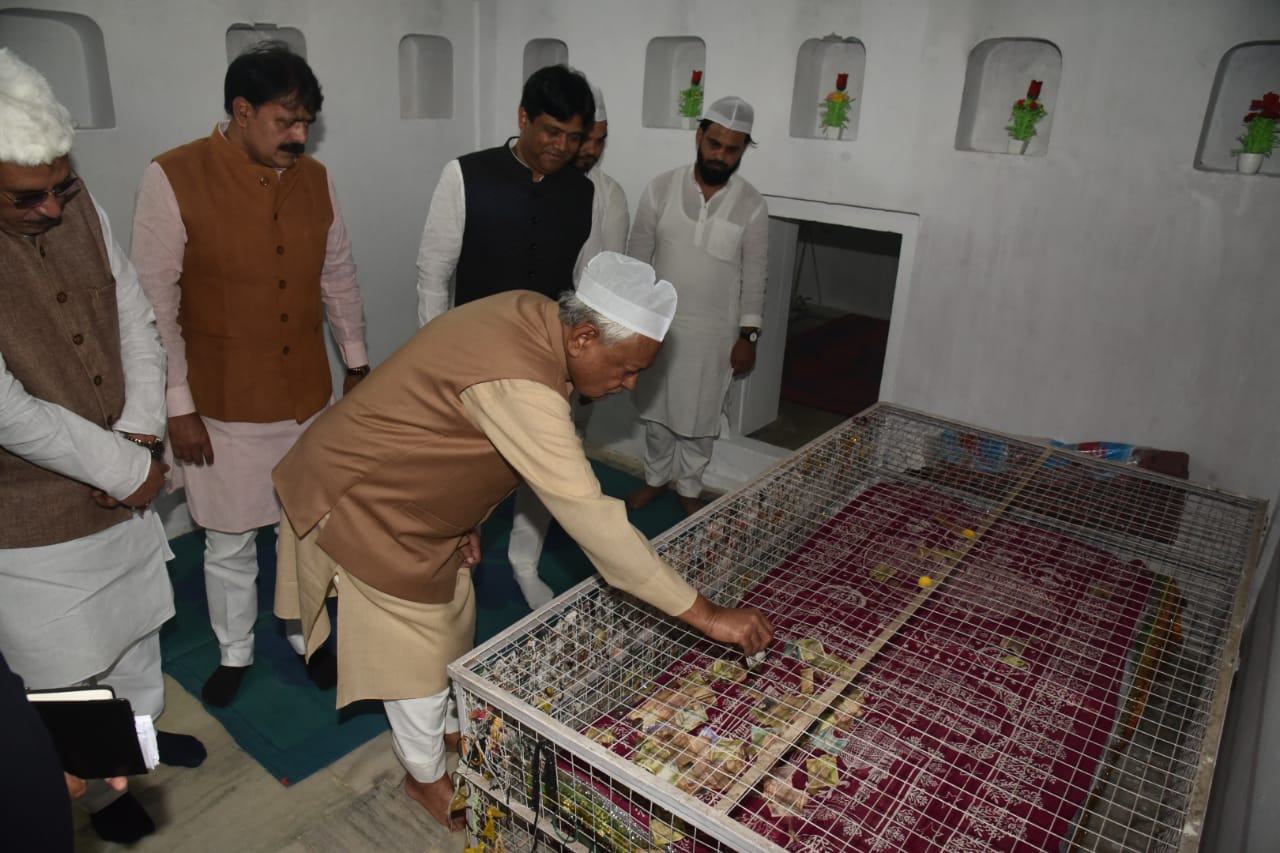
[{"x": 286, "y": 724}]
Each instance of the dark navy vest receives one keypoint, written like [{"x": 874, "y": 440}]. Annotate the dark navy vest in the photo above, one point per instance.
[{"x": 519, "y": 235}]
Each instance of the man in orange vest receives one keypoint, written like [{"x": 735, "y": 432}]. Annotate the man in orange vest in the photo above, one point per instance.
[{"x": 241, "y": 248}]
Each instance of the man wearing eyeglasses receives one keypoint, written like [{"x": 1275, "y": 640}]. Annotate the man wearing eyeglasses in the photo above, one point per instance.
[
  {"x": 83, "y": 586},
  {"x": 241, "y": 247}
]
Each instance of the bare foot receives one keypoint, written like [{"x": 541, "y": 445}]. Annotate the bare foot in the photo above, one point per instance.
[
  {"x": 643, "y": 496},
  {"x": 691, "y": 505},
  {"x": 437, "y": 798},
  {"x": 451, "y": 741}
]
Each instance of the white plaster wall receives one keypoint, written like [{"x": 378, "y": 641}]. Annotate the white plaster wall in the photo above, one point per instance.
[
  {"x": 167, "y": 59},
  {"x": 1104, "y": 291}
]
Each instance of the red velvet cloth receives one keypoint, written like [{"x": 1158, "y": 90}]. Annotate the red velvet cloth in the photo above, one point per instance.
[{"x": 985, "y": 716}]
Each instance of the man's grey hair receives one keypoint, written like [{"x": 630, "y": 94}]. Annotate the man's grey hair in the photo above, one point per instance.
[
  {"x": 574, "y": 311},
  {"x": 35, "y": 130}
]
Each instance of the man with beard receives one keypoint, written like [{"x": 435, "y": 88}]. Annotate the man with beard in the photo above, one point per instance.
[
  {"x": 513, "y": 218},
  {"x": 706, "y": 230},
  {"x": 241, "y": 248},
  {"x": 83, "y": 586}
]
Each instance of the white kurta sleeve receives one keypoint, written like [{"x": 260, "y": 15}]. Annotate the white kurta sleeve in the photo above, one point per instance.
[
  {"x": 644, "y": 231},
  {"x": 530, "y": 425},
  {"x": 441, "y": 243},
  {"x": 755, "y": 267},
  {"x": 344, "y": 306},
  {"x": 159, "y": 248},
  {"x": 61, "y": 441},
  {"x": 617, "y": 217},
  {"x": 141, "y": 354}
]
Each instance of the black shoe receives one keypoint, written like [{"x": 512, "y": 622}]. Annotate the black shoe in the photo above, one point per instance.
[
  {"x": 223, "y": 685},
  {"x": 124, "y": 821},
  {"x": 180, "y": 750},
  {"x": 322, "y": 669}
]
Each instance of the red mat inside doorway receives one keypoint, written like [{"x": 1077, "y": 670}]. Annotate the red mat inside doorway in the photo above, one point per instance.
[{"x": 836, "y": 367}]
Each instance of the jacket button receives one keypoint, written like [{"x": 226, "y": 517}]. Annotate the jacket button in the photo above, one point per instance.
[
  {"x": 97, "y": 380},
  {"x": 263, "y": 180},
  {"x": 286, "y": 350},
  {"x": 284, "y": 318},
  {"x": 279, "y": 250},
  {"x": 533, "y": 220},
  {"x": 77, "y": 339},
  {"x": 111, "y": 419},
  {"x": 283, "y": 285},
  {"x": 62, "y": 297}
]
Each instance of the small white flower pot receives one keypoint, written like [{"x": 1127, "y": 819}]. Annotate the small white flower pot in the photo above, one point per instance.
[
  {"x": 1247, "y": 163},
  {"x": 1018, "y": 146},
  {"x": 689, "y": 122}
]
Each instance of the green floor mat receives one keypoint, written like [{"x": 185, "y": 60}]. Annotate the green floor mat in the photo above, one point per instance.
[{"x": 286, "y": 724}]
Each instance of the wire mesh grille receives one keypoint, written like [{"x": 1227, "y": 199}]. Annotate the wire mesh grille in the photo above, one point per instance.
[{"x": 982, "y": 643}]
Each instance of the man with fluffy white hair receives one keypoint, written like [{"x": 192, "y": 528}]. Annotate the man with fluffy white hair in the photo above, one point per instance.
[{"x": 83, "y": 586}]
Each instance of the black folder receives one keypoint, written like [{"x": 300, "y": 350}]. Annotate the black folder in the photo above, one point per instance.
[{"x": 93, "y": 732}]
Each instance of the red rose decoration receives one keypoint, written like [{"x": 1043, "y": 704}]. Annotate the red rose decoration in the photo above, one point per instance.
[
  {"x": 697, "y": 77},
  {"x": 1269, "y": 106},
  {"x": 842, "y": 80},
  {"x": 1022, "y": 102},
  {"x": 1033, "y": 91}
]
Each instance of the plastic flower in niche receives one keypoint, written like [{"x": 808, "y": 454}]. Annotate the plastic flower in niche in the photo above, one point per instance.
[
  {"x": 691, "y": 98},
  {"x": 834, "y": 109},
  {"x": 1261, "y": 130},
  {"x": 1026, "y": 113}
]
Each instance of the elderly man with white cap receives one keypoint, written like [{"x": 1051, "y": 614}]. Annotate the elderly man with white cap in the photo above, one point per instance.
[
  {"x": 83, "y": 586},
  {"x": 707, "y": 231},
  {"x": 385, "y": 491}
]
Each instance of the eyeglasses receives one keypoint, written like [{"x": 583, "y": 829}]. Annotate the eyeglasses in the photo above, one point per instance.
[{"x": 31, "y": 199}]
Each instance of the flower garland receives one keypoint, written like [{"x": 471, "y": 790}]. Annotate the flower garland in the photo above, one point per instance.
[
  {"x": 691, "y": 98},
  {"x": 1026, "y": 112},
  {"x": 1261, "y": 130},
  {"x": 835, "y": 107}
]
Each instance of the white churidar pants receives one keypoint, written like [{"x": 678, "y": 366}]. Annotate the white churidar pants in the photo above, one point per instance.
[
  {"x": 669, "y": 456},
  {"x": 418, "y": 727},
  {"x": 135, "y": 676}
]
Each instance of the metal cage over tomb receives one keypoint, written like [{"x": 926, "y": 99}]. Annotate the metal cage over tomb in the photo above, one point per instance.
[{"x": 983, "y": 643}]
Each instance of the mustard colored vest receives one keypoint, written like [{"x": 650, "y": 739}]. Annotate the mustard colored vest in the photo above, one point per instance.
[
  {"x": 251, "y": 314},
  {"x": 60, "y": 337},
  {"x": 398, "y": 464}
]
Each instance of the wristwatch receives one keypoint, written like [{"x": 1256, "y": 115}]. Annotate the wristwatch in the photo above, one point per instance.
[
  {"x": 359, "y": 371},
  {"x": 753, "y": 335},
  {"x": 155, "y": 447}
]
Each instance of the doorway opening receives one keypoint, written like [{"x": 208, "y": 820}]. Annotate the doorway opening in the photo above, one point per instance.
[{"x": 838, "y": 282}]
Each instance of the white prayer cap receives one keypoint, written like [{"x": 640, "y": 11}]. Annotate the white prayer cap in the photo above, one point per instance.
[
  {"x": 601, "y": 115},
  {"x": 628, "y": 292},
  {"x": 733, "y": 113},
  {"x": 35, "y": 129}
]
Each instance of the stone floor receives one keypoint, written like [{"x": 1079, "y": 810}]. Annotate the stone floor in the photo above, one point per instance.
[{"x": 231, "y": 803}]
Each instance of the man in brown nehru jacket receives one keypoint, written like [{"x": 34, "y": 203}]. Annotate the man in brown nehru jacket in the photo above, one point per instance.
[
  {"x": 383, "y": 494},
  {"x": 241, "y": 247},
  {"x": 83, "y": 586}
]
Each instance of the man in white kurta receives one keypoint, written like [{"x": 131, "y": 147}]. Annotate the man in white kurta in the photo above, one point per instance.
[
  {"x": 83, "y": 586},
  {"x": 706, "y": 230}
]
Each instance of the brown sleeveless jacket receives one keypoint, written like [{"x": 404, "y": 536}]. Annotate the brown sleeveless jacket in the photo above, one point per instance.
[
  {"x": 252, "y": 317},
  {"x": 398, "y": 464},
  {"x": 60, "y": 337}
]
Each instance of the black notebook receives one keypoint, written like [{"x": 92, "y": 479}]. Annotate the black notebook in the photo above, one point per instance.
[{"x": 93, "y": 732}]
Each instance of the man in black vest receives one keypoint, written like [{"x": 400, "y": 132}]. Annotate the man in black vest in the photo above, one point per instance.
[{"x": 513, "y": 218}]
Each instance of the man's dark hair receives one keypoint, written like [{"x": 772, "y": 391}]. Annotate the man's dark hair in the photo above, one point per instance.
[
  {"x": 270, "y": 71},
  {"x": 560, "y": 92},
  {"x": 706, "y": 123}
]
